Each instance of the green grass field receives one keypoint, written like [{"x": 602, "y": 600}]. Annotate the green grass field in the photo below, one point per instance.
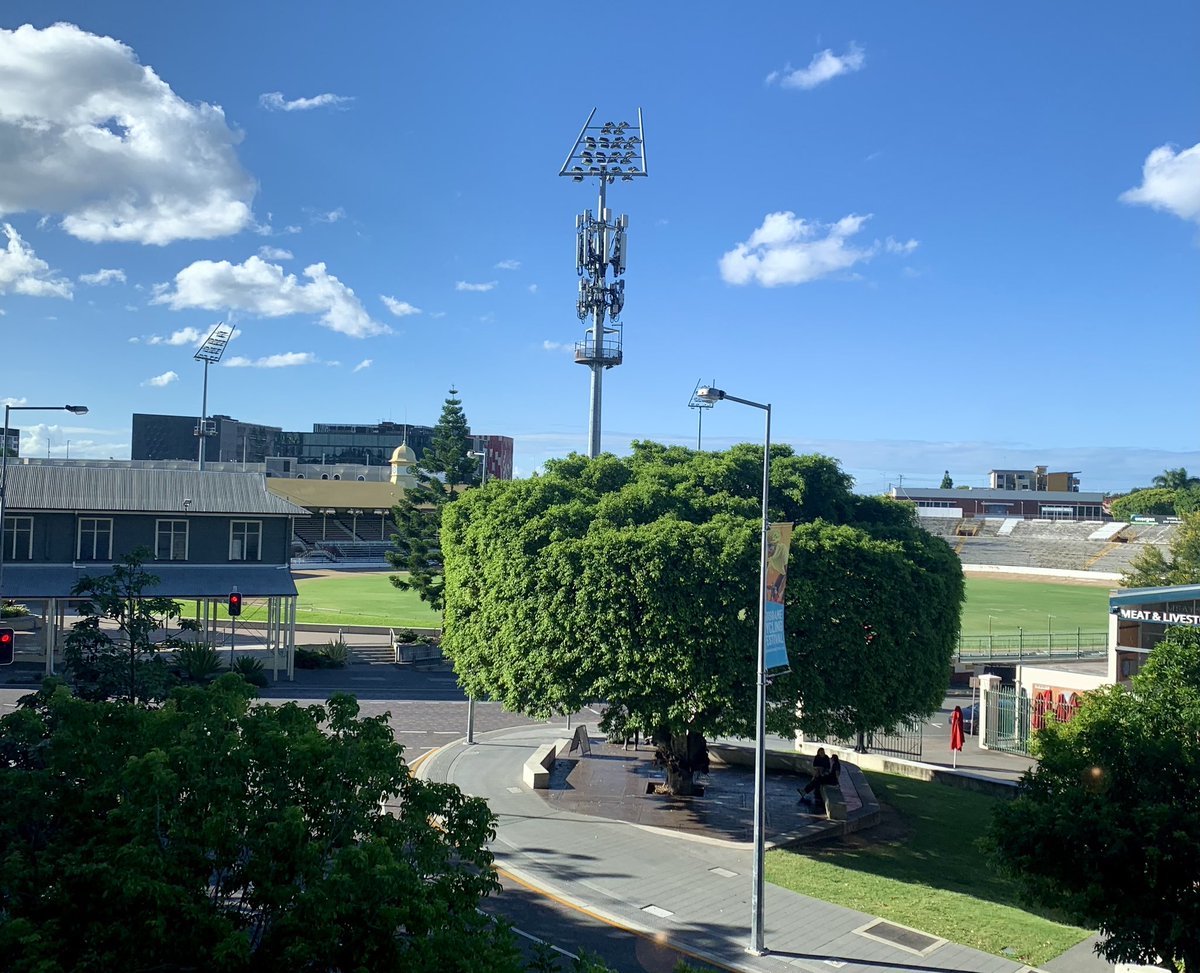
[
  {"x": 1032, "y": 606},
  {"x": 922, "y": 868},
  {"x": 370, "y": 599}
]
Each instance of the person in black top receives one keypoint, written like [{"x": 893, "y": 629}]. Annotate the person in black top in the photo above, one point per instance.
[{"x": 821, "y": 779}]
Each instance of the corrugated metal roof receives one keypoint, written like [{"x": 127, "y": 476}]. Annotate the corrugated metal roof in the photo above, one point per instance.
[
  {"x": 984, "y": 494},
  {"x": 34, "y": 581},
  {"x": 104, "y": 489},
  {"x": 1154, "y": 596}
]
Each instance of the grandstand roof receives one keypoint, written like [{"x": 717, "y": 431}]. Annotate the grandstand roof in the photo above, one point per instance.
[
  {"x": 986, "y": 493},
  {"x": 175, "y": 579},
  {"x": 141, "y": 489}
]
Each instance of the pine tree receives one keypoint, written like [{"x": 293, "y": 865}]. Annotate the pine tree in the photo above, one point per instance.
[
  {"x": 445, "y": 465},
  {"x": 947, "y": 483}
]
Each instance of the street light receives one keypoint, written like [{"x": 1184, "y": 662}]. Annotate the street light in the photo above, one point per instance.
[
  {"x": 482, "y": 455},
  {"x": 79, "y": 410},
  {"x": 710, "y": 394}
]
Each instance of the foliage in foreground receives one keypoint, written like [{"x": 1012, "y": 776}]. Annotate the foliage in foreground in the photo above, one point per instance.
[
  {"x": 636, "y": 580},
  {"x": 926, "y": 873},
  {"x": 1107, "y": 826},
  {"x": 211, "y": 834}
]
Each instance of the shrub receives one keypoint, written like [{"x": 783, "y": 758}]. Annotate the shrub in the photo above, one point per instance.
[
  {"x": 406, "y": 636},
  {"x": 252, "y": 670},
  {"x": 10, "y": 609},
  {"x": 337, "y": 653},
  {"x": 197, "y": 663},
  {"x": 310, "y": 659}
]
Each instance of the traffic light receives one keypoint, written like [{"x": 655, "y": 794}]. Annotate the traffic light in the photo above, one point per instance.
[
  {"x": 235, "y": 604},
  {"x": 6, "y": 646}
]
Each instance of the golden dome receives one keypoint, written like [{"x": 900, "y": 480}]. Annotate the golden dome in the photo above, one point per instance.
[{"x": 403, "y": 455}]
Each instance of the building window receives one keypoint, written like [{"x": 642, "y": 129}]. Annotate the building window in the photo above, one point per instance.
[
  {"x": 171, "y": 540},
  {"x": 245, "y": 540},
  {"x": 95, "y": 539},
  {"x": 18, "y": 538}
]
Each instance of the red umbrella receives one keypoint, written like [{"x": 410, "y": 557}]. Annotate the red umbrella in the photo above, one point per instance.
[{"x": 956, "y": 733}]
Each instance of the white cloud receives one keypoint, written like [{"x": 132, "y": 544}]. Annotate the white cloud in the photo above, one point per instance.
[
  {"x": 263, "y": 289},
  {"x": 824, "y": 66},
  {"x": 274, "y": 101},
  {"x": 895, "y": 246},
  {"x": 103, "y": 277},
  {"x": 9, "y": 400},
  {"x": 533, "y": 288},
  {"x": 330, "y": 217},
  {"x": 287, "y": 359},
  {"x": 1170, "y": 181},
  {"x": 23, "y": 272},
  {"x": 163, "y": 380},
  {"x": 463, "y": 285},
  {"x": 401, "y": 309},
  {"x": 509, "y": 265},
  {"x": 274, "y": 253},
  {"x": 184, "y": 336},
  {"x": 365, "y": 363},
  {"x": 790, "y": 250},
  {"x": 90, "y": 133},
  {"x": 562, "y": 346}
]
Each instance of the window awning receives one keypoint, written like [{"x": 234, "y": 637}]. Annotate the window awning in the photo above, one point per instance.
[{"x": 176, "y": 580}]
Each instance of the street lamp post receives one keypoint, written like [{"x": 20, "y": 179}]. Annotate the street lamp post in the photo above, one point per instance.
[
  {"x": 482, "y": 456},
  {"x": 79, "y": 410},
  {"x": 710, "y": 394}
]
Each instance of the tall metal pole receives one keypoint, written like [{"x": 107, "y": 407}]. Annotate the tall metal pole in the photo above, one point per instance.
[
  {"x": 597, "y": 402},
  {"x": 760, "y": 742},
  {"x": 204, "y": 415}
]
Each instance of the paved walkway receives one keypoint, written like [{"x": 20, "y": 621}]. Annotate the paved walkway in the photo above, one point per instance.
[{"x": 687, "y": 881}]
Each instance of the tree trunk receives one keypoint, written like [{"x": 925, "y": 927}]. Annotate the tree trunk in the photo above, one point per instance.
[{"x": 683, "y": 755}]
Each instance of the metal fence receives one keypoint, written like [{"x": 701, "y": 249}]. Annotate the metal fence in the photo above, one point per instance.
[
  {"x": 903, "y": 741},
  {"x": 1009, "y": 720},
  {"x": 1033, "y": 646}
]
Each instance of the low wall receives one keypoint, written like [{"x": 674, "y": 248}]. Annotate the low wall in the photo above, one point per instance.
[{"x": 1044, "y": 572}]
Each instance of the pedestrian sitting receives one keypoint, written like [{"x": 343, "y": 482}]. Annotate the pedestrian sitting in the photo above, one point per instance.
[{"x": 830, "y": 776}]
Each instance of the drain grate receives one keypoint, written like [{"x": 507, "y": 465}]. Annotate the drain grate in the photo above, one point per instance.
[{"x": 911, "y": 940}]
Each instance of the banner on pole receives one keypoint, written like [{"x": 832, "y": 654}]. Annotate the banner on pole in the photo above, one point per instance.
[{"x": 779, "y": 545}]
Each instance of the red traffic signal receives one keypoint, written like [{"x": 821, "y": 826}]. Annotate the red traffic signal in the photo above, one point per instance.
[
  {"x": 235, "y": 604},
  {"x": 7, "y": 640}
]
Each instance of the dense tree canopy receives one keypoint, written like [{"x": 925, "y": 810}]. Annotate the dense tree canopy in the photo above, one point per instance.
[
  {"x": 446, "y": 465},
  {"x": 1176, "y": 479},
  {"x": 1156, "y": 502},
  {"x": 1107, "y": 826},
  {"x": 209, "y": 834},
  {"x": 635, "y": 581},
  {"x": 1180, "y": 565}
]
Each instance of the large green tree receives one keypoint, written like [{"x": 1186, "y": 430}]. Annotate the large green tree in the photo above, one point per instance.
[
  {"x": 114, "y": 650},
  {"x": 1107, "y": 826},
  {"x": 1179, "y": 565},
  {"x": 1157, "y": 502},
  {"x": 212, "y": 834},
  {"x": 445, "y": 467},
  {"x": 1176, "y": 479},
  {"x": 635, "y": 581}
]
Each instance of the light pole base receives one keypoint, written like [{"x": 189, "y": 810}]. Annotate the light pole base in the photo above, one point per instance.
[{"x": 757, "y": 950}]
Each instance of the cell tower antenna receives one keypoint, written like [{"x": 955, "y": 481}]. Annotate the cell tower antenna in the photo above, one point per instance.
[{"x": 608, "y": 151}]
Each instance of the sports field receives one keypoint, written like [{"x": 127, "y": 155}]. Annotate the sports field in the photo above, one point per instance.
[
  {"x": 1005, "y": 605},
  {"x": 1002, "y": 606}
]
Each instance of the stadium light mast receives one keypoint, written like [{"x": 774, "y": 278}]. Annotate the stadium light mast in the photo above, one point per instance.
[
  {"x": 614, "y": 150},
  {"x": 700, "y": 405},
  {"x": 211, "y": 351}
]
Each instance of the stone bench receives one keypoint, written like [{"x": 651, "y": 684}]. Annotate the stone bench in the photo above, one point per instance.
[
  {"x": 536, "y": 770},
  {"x": 835, "y": 801}
]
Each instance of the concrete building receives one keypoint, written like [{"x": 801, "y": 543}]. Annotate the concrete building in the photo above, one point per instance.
[
  {"x": 1036, "y": 479},
  {"x": 1023, "y": 504}
]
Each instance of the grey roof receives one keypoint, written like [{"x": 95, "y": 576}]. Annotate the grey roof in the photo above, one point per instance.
[
  {"x": 105, "y": 489},
  {"x": 1154, "y": 596},
  {"x": 34, "y": 581},
  {"x": 986, "y": 493}
]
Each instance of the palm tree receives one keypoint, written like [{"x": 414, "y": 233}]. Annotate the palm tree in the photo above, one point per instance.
[{"x": 1176, "y": 480}]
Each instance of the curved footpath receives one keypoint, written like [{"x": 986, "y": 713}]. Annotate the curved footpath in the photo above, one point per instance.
[{"x": 680, "y": 885}]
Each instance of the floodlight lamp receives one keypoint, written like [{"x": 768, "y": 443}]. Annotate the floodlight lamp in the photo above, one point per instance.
[
  {"x": 625, "y": 125},
  {"x": 627, "y": 178},
  {"x": 577, "y": 179},
  {"x": 610, "y": 125},
  {"x": 590, "y": 142},
  {"x": 79, "y": 410},
  {"x": 709, "y": 394}
]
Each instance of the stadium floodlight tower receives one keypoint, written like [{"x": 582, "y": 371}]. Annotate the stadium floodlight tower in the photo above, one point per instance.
[
  {"x": 211, "y": 351},
  {"x": 614, "y": 150}
]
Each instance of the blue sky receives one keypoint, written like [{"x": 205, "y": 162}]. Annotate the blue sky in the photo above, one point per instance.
[{"x": 934, "y": 236}]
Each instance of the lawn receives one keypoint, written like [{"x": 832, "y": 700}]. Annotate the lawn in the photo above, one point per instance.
[
  {"x": 1032, "y": 606},
  {"x": 922, "y": 868}
]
